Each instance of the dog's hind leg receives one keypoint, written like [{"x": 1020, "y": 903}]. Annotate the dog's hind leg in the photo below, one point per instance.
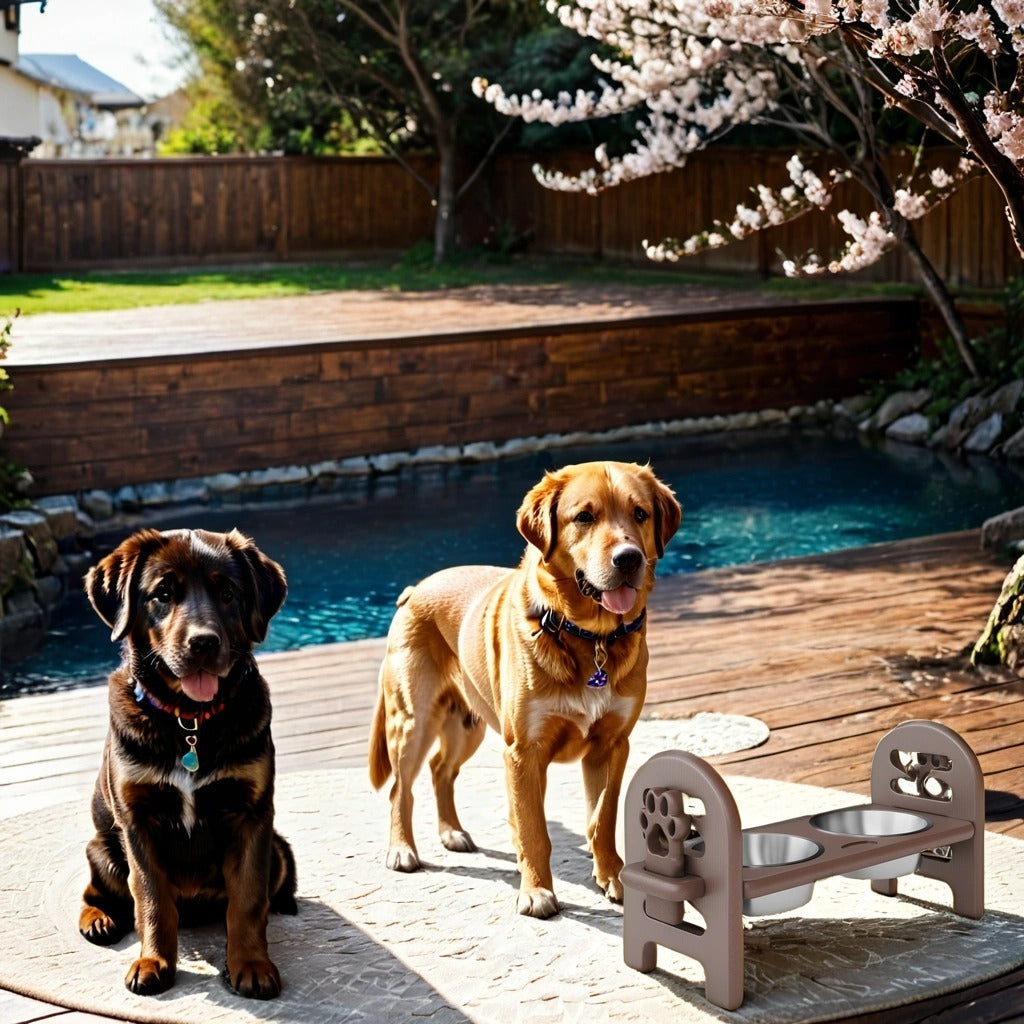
[
  {"x": 412, "y": 726},
  {"x": 282, "y": 878},
  {"x": 460, "y": 734}
]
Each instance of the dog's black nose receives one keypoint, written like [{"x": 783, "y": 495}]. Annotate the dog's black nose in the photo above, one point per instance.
[
  {"x": 203, "y": 643},
  {"x": 627, "y": 558}
]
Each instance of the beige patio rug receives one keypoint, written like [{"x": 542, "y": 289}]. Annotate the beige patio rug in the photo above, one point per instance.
[{"x": 446, "y": 944}]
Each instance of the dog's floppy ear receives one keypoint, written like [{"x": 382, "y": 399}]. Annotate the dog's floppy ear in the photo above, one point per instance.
[
  {"x": 266, "y": 584},
  {"x": 112, "y": 585},
  {"x": 668, "y": 514},
  {"x": 537, "y": 519}
]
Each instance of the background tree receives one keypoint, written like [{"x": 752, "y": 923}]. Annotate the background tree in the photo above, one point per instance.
[
  {"x": 319, "y": 76},
  {"x": 702, "y": 68}
]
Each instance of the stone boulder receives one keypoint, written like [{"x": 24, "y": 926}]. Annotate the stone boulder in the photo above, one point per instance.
[
  {"x": 38, "y": 536},
  {"x": 23, "y": 625},
  {"x": 985, "y": 435},
  {"x": 912, "y": 429},
  {"x": 960, "y": 422},
  {"x": 1003, "y": 530},
  {"x": 1013, "y": 446},
  {"x": 971, "y": 423},
  {"x": 61, "y": 513},
  {"x": 15, "y": 561},
  {"x": 1007, "y": 398},
  {"x": 98, "y": 504},
  {"x": 1002, "y": 641},
  {"x": 895, "y": 407}
]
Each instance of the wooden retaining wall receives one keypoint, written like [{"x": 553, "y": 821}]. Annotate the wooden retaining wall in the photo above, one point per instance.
[{"x": 131, "y": 420}]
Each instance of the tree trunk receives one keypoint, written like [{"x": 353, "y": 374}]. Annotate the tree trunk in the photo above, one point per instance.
[
  {"x": 880, "y": 187},
  {"x": 940, "y": 297},
  {"x": 444, "y": 217}
]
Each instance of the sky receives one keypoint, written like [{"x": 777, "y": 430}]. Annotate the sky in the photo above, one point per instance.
[{"x": 122, "y": 38}]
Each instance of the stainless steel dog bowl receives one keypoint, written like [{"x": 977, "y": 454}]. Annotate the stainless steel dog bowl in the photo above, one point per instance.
[
  {"x": 875, "y": 822},
  {"x": 771, "y": 849}
]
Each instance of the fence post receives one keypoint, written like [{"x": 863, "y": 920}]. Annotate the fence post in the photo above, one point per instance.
[
  {"x": 282, "y": 242},
  {"x": 12, "y": 152}
]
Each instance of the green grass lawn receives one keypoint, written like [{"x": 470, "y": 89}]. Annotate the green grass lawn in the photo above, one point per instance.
[
  {"x": 81, "y": 292},
  {"x": 56, "y": 293}
]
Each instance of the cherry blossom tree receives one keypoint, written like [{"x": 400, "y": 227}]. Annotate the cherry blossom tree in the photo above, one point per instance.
[{"x": 829, "y": 74}]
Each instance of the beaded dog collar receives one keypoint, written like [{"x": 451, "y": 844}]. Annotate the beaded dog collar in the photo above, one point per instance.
[{"x": 189, "y": 720}]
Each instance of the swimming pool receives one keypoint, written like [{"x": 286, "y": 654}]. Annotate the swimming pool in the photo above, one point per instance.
[{"x": 746, "y": 498}]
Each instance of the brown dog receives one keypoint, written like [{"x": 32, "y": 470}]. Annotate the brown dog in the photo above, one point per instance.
[
  {"x": 552, "y": 655},
  {"x": 184, "y": 802}
]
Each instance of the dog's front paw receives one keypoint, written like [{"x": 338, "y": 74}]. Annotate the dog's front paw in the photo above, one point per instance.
[
  {"x": 537, "y": 903},
  {"x": 457, "y": 841},
  {"x": 607, "y": 877},
  {"x": 613, "y": 889},
  {"x": 256, "y": 979},
  {"x": 402, "y": 858},
  {"x": 149, "y": 976},
  {"x": 99, "y": 927}
]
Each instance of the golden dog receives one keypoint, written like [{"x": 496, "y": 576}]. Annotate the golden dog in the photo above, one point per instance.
[{"x": 552, "y": 655}]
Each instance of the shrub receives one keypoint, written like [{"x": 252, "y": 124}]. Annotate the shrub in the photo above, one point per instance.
[{"x": 999, "y": 355}]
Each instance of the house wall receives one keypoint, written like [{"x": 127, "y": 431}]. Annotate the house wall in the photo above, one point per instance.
[
  {"x": 20, "y": 109},
  {"x": 8, "y": 40}
]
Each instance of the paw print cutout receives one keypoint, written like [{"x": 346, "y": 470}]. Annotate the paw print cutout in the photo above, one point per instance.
[{"x": 665, "y": 826}]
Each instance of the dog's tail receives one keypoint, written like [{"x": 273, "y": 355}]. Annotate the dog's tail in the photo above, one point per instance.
[{"x": 380, "y": 760}]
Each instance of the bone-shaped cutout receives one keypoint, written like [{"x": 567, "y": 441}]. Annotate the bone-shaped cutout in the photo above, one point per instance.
[{"x": 919, "y": 775}]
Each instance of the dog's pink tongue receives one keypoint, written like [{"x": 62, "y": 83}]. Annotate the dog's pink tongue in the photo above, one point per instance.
[
  {"x": 201, "y": 687},
  {"x": 620, "y": 600}
]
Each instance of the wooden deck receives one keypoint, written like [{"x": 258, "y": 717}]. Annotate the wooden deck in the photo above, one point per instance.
[{"x": 830, "y": 651}]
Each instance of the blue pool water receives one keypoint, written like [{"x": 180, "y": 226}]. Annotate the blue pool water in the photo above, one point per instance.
[{"x": 349, "y": 554}]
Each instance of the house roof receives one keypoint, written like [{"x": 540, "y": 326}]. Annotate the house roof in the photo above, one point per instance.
[{"x": 69, "y": 72}]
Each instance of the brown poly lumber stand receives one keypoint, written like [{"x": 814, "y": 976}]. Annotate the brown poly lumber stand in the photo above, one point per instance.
[{"x": 684, "y": 845}]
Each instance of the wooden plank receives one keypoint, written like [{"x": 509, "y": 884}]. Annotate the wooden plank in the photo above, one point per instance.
[{"x": 15, "y": 1008}]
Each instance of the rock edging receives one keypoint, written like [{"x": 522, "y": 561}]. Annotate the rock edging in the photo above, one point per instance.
[
  {"x": 46, "y": 548},
  {"x": 40, "y": 551},
  {"x": 982, "y": 424},
  {"x": 979, "y": 425}
]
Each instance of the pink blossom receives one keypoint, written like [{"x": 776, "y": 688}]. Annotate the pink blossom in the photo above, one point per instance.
[
  {"x": 977, "y": 25},
  {"x": 910, "y": 205},
  {"x": 1011, "y": 13}
]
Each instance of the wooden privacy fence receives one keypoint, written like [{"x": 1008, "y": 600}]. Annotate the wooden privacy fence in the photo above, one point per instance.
[
  {"x": 966, "y": 237},
  {"x": 93, "y": 214}
]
